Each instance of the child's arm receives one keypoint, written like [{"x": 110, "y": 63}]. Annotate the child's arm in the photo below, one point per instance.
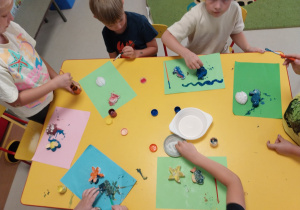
[
  {"x": 150, "y": 50},
  {"x": 284, "y": 147},
  {"x": 241, "y": 41},
  {"x": 235, "y": 192},
  {"x": 191, "y": 59},
  {"x": 30, "y": 95},
  {"x": 295, "y": 64}
]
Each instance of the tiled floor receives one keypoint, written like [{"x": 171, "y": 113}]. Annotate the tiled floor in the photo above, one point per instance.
[{"x": 80, "y": 37}]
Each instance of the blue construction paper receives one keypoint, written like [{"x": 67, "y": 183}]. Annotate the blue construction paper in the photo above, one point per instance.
[{"x": 76, "y": 179}]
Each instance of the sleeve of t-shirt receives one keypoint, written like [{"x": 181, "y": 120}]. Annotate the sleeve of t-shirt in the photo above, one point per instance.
[
  {"x": 8, "y": 90},
  {"x": 26, "y": 36},
  {"x": 239, "y": 23},
  {"x": 181, "y": 29},
  {"x": 147, "y": 30},
  {"x": 234, "y": 206},
  {"x": 107, "y": 40}
]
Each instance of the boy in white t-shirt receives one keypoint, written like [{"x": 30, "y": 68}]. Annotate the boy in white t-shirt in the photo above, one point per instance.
[
  {"x": 208, "y": 26},
  {"x": 26, "y": 80}
]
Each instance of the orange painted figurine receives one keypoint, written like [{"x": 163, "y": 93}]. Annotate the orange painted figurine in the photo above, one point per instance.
[{"x": 95, "y": 174}]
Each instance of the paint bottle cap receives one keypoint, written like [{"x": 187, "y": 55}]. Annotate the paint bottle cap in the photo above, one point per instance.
[
  {"x": 177, "y": 109},
  {"x": 153, "y": 147},
  {"x": 214, "y": 142},
  {"x": 124, "y": 131},
  {"x": 154, "y": 112},
  {"x": 112, "y": 113},
  {"x": 108, "y": 120},
  {"x": 62, "y": 189}
]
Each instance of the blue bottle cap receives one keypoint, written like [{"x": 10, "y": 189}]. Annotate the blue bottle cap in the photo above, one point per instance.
[
  {"x": 154, "y": 112},
  {"x": 177, "y": 109}
]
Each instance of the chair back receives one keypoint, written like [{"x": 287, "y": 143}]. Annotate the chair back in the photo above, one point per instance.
[
  {"x": 160, "y": 28},
  {"x": 244, "y": 15},
  {"x": 2, "y": 110}
]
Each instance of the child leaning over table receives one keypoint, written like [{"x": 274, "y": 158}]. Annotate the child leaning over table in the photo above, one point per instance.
[
  {"x": 124, "y": 32},
  {"x": 208, "y": 26},
  {"x": 291, "y": 120},
  {"x": 26, "y": 80}
]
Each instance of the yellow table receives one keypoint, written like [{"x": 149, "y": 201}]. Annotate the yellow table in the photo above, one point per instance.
[{"x": 270, "y": 181}]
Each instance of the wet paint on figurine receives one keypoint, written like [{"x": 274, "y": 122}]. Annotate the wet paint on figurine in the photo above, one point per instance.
[
  {"x": 113, "y": 99},
  {"x": 178, "y": 72},
  {"x": 176, "y": 174},
  {"x": 201, "y": 73},
  {"x": 95, "y": 175}
]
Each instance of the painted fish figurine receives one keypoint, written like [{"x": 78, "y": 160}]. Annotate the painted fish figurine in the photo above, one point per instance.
[
  {"x": 178, "y": 72},
  {"x": 197, "y": 176},
  {"x": 95, "y": 174},
  {"x": 113, "y": 99},
  {"x": 255, "y": 99}
]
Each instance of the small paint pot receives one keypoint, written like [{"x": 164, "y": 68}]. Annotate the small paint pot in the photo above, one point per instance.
[
  {"x": 124, "y": 132},
  {"x": 76, "y": 89},
  {"x": 62, "y": 189},
  {"x": 153, "y": 147},
  {"x": 112, "y": 113},
  {"x": 214, "y": 142},
  {"x": 177, "y": 109},
  {"x": 154, "y": 112},
  {"x": 108, "y": 120}
]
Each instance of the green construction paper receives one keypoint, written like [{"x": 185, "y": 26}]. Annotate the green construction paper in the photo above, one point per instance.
[
  {"x": 114, "y": 83},
  {"x": 211, "y": 62},
  {"x": 188, "y": 195},
  {"x": 264, "y": 77}
]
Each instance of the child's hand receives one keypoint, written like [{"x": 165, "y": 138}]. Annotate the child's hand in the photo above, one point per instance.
[
  {"x": 129, "y": 52},
  {"x": 192, "y": 60},
  {"x": 255, "y": 49},
  {"x": 187, "y": 150},
  {"x": 282, "y": 146},
  {"x": 88, "y": 198},
  {"x": 295, "y": 64},
  {"x": 117, "y": 207},
  {"x": 63, "y": 81}
]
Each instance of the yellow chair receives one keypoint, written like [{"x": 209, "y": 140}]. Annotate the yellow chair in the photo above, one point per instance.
[
  {"x": 244, "y": 15},
  {"x": 24, "y": 149},
  {"x": 160, "y": 28}
]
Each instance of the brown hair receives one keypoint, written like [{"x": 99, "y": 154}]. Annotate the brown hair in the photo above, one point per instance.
[{"x": 107, "y": 11}]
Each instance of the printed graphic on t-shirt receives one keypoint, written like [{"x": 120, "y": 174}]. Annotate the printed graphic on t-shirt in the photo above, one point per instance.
[
  {"x": 121, "y": 45},
  {"x": 26, "y": 68}
]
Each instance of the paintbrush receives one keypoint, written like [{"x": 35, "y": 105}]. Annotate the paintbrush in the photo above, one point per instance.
[
  {"x": 281, "y": 54},
  {"x": 123, "y": 52}
]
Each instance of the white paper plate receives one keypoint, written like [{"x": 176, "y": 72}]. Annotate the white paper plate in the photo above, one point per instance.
[{"x": 190, "y": 123}]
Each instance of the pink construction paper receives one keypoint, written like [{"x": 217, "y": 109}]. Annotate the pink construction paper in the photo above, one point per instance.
[{"x": 73, "y": 123}]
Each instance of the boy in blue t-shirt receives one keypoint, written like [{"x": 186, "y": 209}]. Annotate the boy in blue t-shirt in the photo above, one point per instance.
[{"x": 128, "y": 33}]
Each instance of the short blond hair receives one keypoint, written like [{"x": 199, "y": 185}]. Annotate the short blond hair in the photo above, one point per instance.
[
  {"x": 107, "y": 11},
  {"x": 5, "y": 3}
]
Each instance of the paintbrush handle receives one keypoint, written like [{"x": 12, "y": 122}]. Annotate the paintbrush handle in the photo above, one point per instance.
[{"x": 290, "y": 58}]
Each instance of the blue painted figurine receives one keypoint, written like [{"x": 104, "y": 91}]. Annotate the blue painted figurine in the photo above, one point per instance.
[
  {"x": 178, "y": 72},
  {"x": 201, "y": 72},
  {"x": 255, "y": 99}
]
